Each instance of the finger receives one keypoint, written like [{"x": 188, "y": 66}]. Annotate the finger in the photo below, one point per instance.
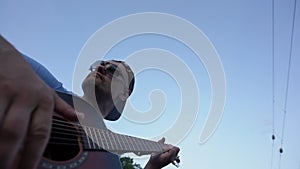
[
  {"x": 162, "y": 140},
  {"x": 13, "y": 131},
  {"x": 4, "y": 105},
  {"x": 38, "y": 135},
  {"x": 80, "y": 115},
  {"x": 63, "y": 108},
  {"x": 173, "y": 153}
]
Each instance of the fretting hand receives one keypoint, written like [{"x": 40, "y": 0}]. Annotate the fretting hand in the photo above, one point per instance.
[
  {"x": 26, "y": 108},
  {"x": 170, "y": 155}
]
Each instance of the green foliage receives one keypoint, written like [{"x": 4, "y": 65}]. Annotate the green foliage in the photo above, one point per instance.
[{"x": 127, "y": 163}]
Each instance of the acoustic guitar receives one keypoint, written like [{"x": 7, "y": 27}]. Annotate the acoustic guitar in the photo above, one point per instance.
[{"x": 88, "y": 144}]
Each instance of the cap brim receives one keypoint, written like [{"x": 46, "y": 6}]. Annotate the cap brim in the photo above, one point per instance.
[{"x": 113, "y": 115}]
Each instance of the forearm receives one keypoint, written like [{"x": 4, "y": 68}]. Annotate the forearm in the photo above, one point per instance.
[
  {"x": 11, "y": 58},
  {"x": 150, "y": 166},
  {"x": 7, "y": 50}
]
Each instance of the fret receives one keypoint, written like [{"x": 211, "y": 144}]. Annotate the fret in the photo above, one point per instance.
[
  {"x": 146, "y": 146},
  {"x": 107, "y": 140},
  {"x": 100, "y": 139},
  {"x": 137, "y": 148},
  {"x": 159, "y": 147},
  {"x": 121, "y": 141},
  {"x": 104, "y": 140},
  {"x": 96, "y": 137},
  {"x": 154, "y": 146},
  {"x": 83, "y": 137},
  {"x": 131, "y": 140},
  {"x": 110, "y": 146},
  {"x": 112, "y": 141},
  {"x": 151, "y": 145},
  {"x": 92, "y": 138},
  {"x": 87, "y": 137},
  {"x": 129, "y": 144},
  {"x": 117, "y": 137},
  {"x": 80, "y": 130},
  {"x": 143, "y": 146}
]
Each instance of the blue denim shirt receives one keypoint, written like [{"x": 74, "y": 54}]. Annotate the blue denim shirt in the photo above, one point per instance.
[{"x": 45, "y": 75}]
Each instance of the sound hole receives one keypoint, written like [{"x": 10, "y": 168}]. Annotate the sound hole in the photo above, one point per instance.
[{"x": 63, "y": 144}]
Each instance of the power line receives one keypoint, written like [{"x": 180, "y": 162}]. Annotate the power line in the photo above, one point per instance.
[
  {"x": 287, "y": 83},
  {"x": 273, "y": 82}
]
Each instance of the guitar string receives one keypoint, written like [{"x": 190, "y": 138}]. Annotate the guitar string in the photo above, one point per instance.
[
  {"x": 63, "y": 127},
  {"x": 64, "y": 144},
  {"x": 82, "y": 133},
  {"x": 156, "y": 147},
  {"x": 68, "y": 123},
  {"x": 86, "y": 147},
  {"x": 74, "y": 132},
  {"x": 66, "y": 126},
  {"x": 77, "y": 142},
  {"x": 73, "y": 142},
  {"x": 58, "y": 130},
  {"x": 175, "y": 162}
]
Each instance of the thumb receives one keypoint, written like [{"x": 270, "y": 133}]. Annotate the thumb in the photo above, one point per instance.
[
  {"x": 63, "y": 108},
  {"x": 162, "y": 140}
]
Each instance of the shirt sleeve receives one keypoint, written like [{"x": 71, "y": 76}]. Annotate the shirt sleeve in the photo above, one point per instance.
[{"x": 45, "y": 75}]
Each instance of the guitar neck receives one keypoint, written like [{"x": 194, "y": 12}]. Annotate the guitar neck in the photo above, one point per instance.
[{"x": 100, "y": 139}]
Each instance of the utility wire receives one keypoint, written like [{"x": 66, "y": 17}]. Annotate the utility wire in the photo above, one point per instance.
[
  {"x": 287, "y": 82},
  {"x": 273, "y": 82}
]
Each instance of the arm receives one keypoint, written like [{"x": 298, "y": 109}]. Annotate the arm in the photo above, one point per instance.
[{"x": 26, "y": 108}]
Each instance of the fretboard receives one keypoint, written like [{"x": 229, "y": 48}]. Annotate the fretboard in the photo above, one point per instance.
[{"x": 100, "y": 139}]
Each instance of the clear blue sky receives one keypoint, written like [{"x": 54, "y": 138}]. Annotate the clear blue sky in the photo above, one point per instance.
[{"x": 54, "y": 32}]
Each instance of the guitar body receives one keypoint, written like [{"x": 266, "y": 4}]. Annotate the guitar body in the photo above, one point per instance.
[
  {"x": 73, "y": 155},
  {"x": 84, "y": 160}
]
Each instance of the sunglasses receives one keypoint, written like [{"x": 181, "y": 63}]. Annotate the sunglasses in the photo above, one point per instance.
[{"x": 109, "y": 68}]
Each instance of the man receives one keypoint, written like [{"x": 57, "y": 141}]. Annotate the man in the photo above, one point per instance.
[{"x": 107, "y": 88}]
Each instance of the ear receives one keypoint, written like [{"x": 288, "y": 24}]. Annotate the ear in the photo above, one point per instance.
[{"x": 124, "y": 96}]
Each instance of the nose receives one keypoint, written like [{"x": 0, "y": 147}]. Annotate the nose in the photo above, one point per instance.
[{"x": 101, "y": 69}]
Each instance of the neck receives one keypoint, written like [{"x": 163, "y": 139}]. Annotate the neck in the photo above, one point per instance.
[{"x": 100, "y": 103}]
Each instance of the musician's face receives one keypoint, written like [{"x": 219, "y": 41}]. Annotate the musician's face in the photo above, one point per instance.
[{"x": 109, "y": 79}]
